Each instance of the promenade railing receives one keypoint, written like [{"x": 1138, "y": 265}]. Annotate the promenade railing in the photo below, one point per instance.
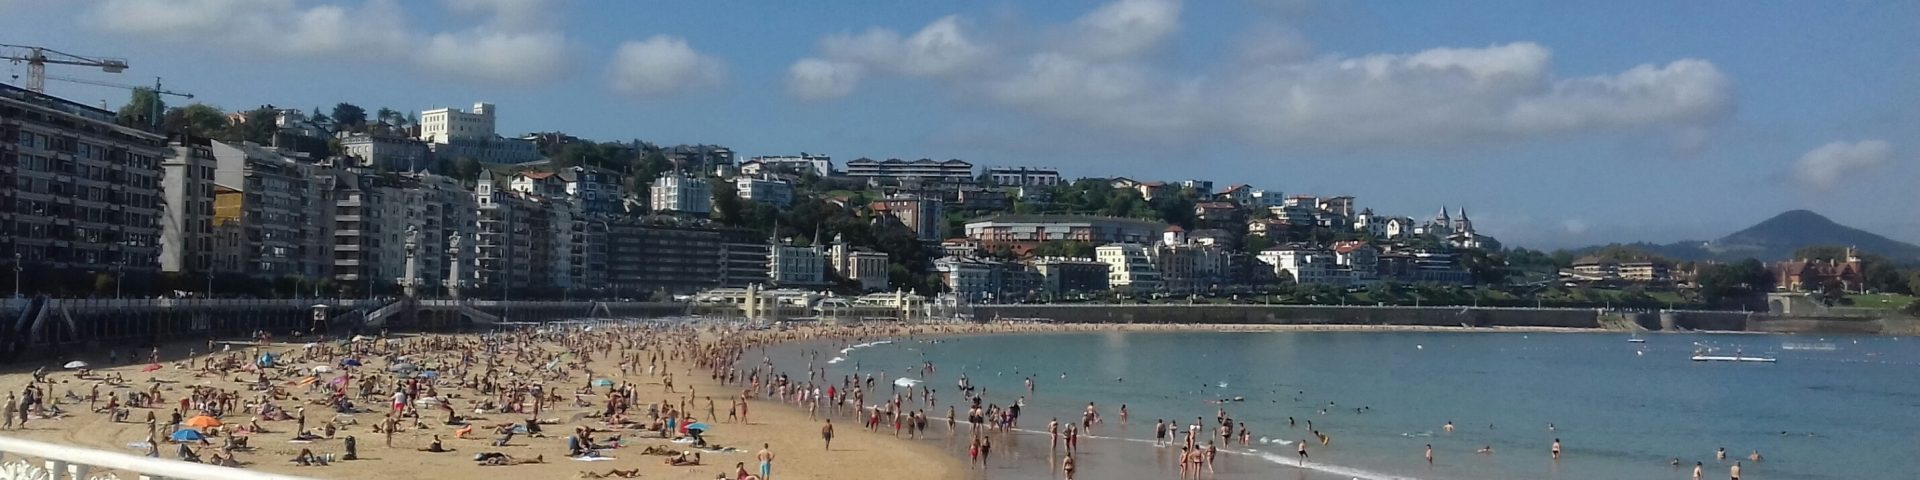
[{"x": 22, "y": 459}]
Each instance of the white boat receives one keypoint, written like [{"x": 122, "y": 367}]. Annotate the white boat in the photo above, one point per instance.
[
  {"x": 1732, "y": 358},
  {"x": 1636, "y": 340}
]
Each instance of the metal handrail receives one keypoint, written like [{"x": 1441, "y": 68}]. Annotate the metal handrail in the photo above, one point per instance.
[{"x": 58, "y": 456}]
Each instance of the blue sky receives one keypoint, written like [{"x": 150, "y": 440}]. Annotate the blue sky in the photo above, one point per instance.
[{"x": 1554, "y": 123}]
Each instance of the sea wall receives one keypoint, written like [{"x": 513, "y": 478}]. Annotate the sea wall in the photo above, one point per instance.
[
  {"x": 1675, "y": 320},
  {"x": 1299, "y": 315}
]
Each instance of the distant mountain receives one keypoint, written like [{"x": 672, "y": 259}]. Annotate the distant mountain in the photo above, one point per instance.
[{"x": 1777, "y": 238}]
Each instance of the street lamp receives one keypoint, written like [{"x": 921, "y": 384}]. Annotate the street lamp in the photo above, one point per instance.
[{"x": 17, "y": 260}]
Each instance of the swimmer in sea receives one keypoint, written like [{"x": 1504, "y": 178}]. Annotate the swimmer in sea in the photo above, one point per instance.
[
  {"x": 1448, "y": 428},
  {"x": 1720, "y": 455},
  {"x": 1755, "y": 456},
  {"x": 1486, "y": 450}
]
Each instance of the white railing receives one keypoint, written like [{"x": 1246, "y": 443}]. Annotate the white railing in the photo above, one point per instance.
[{"x": 61, "y": 462}]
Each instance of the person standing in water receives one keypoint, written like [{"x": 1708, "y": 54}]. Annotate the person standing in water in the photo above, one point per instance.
[
  {"x": 1733, "y": 472},
  {"x": 1699, "y": 470},
  {"x": 1066, "y": 465},
  {"x": 1429, "y": 454},
  {"x": 1303, "y": 451},
  {"x": 1556, "y": 449}
]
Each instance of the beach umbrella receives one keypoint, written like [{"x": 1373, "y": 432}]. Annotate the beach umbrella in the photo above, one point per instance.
[
  {"x": 185, "y": 435},
  {"x": 76, "y": 364},
  {"x": 701, "y": 426},
  {"x": 351, "y": 362},
  {"x": 202, "y": 421},
  {"x": 150, "y": 367},
  {"x": 603, "y": 383},
  {"x": 906, "y": 382}
]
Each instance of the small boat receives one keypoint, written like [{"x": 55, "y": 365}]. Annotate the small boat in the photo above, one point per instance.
[
  {"x": 1636, "y": 340},
  {"x": 1732, "y": 358}
]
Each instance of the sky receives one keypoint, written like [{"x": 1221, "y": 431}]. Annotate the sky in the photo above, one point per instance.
[{"x": 1555, "y": 124}]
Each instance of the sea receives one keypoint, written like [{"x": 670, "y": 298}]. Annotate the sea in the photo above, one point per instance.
[{"x": 1836, "y": 407}]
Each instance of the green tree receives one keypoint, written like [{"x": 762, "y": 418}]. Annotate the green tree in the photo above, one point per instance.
[
  {"x": 198, "y": 119},
  {"x": 349, "y": 117},
  {"x": 140, "y": 109}
]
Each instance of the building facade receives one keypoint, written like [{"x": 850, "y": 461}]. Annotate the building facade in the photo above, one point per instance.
[
  {"x": 790, "y": 265},
  {"x": 1024, "y": 176},
  {"x": 186, "y": 233},
  {"x": 78, "y": 193},
  {"x": 770, "y": 191},
  {"x": 385, "y": 151},
  {"x": 1129, "y": 265},
  {"x": 675, "y": 192},
  {"x": 820, "y": 165},
  {"x": 1046, "y": 228},
  {"x": 1061, "y": 275},
  {"x": 924, "y": 216},
  {"x": 270, "y": 214},
  {"x": 947, "y": 171}
]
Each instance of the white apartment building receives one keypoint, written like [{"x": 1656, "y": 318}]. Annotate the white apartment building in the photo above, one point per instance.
[
  {"x": 792, "y": 265},
  {"x": 1024, "y": 176},
  {"x": 680, "y": 193},
  {"x": 966, "y": 278},
  {"x": 821, "y": 165},
  {"x": 385, "y": 151},
  {"x": 445, "y": 125},
  {"x": 860, "y": 265},
  {"x": 453, "y": 134},
  {"x": 1129, "y": 265},
  {"x": 1304, "y": 265},
  {"x": 770, "y": 191}
]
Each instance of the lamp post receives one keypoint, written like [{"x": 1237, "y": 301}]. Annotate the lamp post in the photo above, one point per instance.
[
  {"x": 119, "y": 276},
  {"x": 17, "y": 267}
]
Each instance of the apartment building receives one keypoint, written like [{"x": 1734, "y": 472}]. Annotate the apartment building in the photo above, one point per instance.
[{"x": 77, "y": 192}]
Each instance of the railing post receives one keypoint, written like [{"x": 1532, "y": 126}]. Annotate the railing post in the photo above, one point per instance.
[{"x": 77, "y": 471}]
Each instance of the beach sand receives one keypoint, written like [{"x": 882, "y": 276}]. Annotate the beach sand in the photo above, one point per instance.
[{"x": 793, "y": 438}]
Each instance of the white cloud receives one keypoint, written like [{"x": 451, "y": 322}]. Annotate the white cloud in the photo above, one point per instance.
[
  {"x": 497, "y": 56},
  {"x": 517, "y": 41},
  {"x": 942, "y": 48},
  {"x": 663, "y": 64},
  {"x": 1275, "y": 91},
  {"x": 817, "y": 79},
  {"x": 1574, "y": 226},
  {"x": 1823, "y": 168},
  {"x": 374, "y": 27},
  {"x": 1125, "y": 28}
]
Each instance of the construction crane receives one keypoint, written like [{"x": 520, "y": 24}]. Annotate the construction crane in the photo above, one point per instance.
[
  {"x": 37, "y": 59},
  {"x": 159, "y": 107}
]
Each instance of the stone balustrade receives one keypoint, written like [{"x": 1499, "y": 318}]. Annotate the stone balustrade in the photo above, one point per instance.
[{"x": 30, "y": 460}]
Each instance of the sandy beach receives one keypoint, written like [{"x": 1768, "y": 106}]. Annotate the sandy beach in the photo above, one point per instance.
[{"x": 785, "y": 431}]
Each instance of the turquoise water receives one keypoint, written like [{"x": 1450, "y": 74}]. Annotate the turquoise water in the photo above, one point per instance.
[{"x": 1849, "y": 407}]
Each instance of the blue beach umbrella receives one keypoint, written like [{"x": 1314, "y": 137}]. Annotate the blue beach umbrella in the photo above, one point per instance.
[
  {"x": 603, "y": 383},
  {"x": 186, "y": 435},
  {"x": 701, "y": 426},
  {"x": 351, "y": 362}
]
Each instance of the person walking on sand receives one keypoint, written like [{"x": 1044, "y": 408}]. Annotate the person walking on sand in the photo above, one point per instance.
[
  {"x": 766, "y": 460},
  {"x": 11, "y": 407},
  {"x": 826, "y": 434}
]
